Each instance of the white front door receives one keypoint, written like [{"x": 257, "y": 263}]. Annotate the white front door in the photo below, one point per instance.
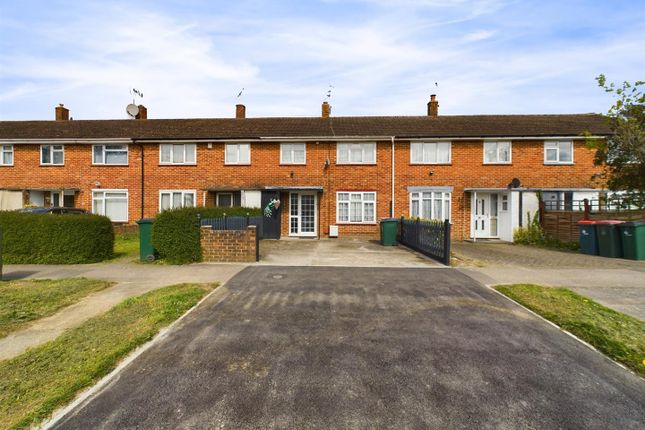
[
  {"x": 485, "y": 215},
  {"x": 302, "y": 214}
]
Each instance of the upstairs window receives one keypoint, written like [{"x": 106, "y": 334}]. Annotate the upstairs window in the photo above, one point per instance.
[
  {"x": 110, "y": 154},
  {"x": 558, "y": 152},
  {"x": 177, "y": 154},
  {"x": 6, "y": 155},
  {"x": 52, "y": 155},
  {"x": 497, "y": 152},
  {"x": 356, "y": 153},
  {"x": 430, "y": 153},
  {"x": 292, "y": 153},
  {"x": 237, "y": 153}
]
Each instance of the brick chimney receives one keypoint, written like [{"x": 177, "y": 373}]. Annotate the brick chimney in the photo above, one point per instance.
[
  {"x": 143, "y": 112},
  {"x": 326, "y": 110},
  {"x": 240, "y": 111},
  {"x": 62, "y": 113},
  {"x": 433, "y": 106}
]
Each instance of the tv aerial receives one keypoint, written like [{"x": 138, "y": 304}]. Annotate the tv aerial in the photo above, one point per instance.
[{"x": 132, "y": 109}]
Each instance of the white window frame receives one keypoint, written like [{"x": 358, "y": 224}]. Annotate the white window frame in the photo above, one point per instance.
[
  {"x": 371, "y": 146},
  {"x": 172, "y": 154},
  {"x": 497, "y": 159},
  {"x": 52, "y": 149},
  {"x": 104, "y": 191},
  {"x": 291, "y": 150},
  {"x": 363, "y": 204},
  {"x": 549, "y": 144},
  {"x": 446, "y": 196},
  {"x": 224, "y": 194},
  {"x": 423, "y": 152},
  {"x": 237, "y": 162},
  {"x": 183, "y": 194},
  {"x": 6, "y": 149},
  {"x": 103, "y": 157}
]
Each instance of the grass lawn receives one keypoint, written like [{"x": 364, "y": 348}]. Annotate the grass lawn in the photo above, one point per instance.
[
  {"x": 126, "y": 246},
  {"x": 27, "y": 300},
  {"x": 619, "y": 336},
  {"x": 36, "y": 383}
]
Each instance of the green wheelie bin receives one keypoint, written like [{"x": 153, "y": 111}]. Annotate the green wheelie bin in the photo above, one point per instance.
[
  {"x": 146, "y": 250},
  {"x": 632, "y": 234},
  {"x": 588, "y": 237},
  {"x": 389, "y": 227},
  {"x": 609, "y": 238}
]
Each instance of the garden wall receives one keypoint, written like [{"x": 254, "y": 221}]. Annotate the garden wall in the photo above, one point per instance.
[{"x": 237, "y": 246}]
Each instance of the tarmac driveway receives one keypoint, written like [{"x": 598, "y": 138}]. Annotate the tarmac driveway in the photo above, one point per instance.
[{"x": 325, "y": 347}]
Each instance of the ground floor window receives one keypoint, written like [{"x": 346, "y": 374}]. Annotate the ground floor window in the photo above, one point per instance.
[
  {"x": 172, "y": 199},
  {"x": 356, "y": 207},
  {"x": 111, "y": 203},
  {"x": 430, "y": 205}
]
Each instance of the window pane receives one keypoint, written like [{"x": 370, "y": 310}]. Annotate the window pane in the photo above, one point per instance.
[
  {"x": 356, "y": 212},
  {"x": 116, "y": 209},
  {"x": 231, "y": 154},
  {"x": 426, "y": 209},
  {"x": 369, "y": 197},
  {"x": 165, "y": 201},
  {"x": 446, "y": 208},
  {"x": 178, "y": 153},
  {"x": 414, "y": 208},
  {"x": 44, "y": 154},
  {"x": 286, "y": 154},
  {"x": 356, "y": 197},
  {"x": 97, "y": 207},
  {"x": 355, "y": 153},
  {"x": 551, "y": 154},
  {"x": 58, "y": 157},
  {"x": 191, "y": 153},
  {"x": 416, "y": 152},
  {"x": 443, "y": 152},
  {"x": 98, "y": 154},
  {"x": 490, "y": 152},
  {"x": 7, "y": 158},
  {"x": 299, "y": 155},
  {"x": 343, "y": 212},
  {"x": 437, "y": 211},
  {"x": 369, "y": 153},
  {"x": 504, "y": 151},
  {"x": 189, "y": 200},
  {"x": 565, "y": 151},
  {"x": 116, "y": 157},
  {"x": 166, "y": 156},
  {"x": 245, "y": 153},
  {"x": 225, "y": 200},
  {"x": 369, "y": 211},
  {"x": 430, "y": 153},
  {"x": 343, "y": 196},
  {"x": 343, "y": 153}
]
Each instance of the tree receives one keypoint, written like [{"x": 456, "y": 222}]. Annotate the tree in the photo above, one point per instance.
[{"x": 622, "y": 154}]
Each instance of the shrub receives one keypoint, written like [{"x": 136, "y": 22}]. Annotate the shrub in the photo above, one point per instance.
[
  {"x": 532, "y": 234},
  {"x": 175, "y": 232},
  {"x": 55, "y": 239}
]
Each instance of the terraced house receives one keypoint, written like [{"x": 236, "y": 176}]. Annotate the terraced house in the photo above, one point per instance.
[{"x": 330, "y": 175}]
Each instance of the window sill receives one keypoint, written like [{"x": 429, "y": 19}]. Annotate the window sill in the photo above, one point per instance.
[
  {"x": 176, "y": 164},
  {"x": 502, "y": 163},
  {"x": 6, "y": 165},
  {"x": 237, "y": 164},
  {"x": 52, "y": 165},
  {"x": 431, "y": 164},
  {"x": 292, "y": 164},
  {"x": 568, "y": 163},
  {"x": 355, "y": 164},
  {"x": 356, "y": 223},
  {"x": 110, "y": 165}
]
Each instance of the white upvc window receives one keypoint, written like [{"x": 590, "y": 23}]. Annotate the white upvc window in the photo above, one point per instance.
[
  {"x": 184, "y": 153},
  {"x": 497, "y": 152},
  {"x": 430, "y": 152},
  {"x": 6, "y": 155},
  {"x": 52, "y": 155},
  {"x": 111, "y": 203},
  {"x": 558, "y": 152},
  {"x": 110, "y": 154},
  {"x": 293, "y": 153},
  {"x": 356, "y": 153},
  {"x": 237, "y": 153},
  {"x": 430, "y": 205},
  {"x": 172, "y": 199},
  {"x": 356, "y": 207}
]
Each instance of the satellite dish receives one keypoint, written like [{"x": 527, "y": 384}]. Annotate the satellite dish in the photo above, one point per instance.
[
  {"x": 515, "y": 183},
  {"x": 132, "y": 110}
]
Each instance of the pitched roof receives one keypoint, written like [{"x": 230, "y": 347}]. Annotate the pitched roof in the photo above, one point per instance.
[{"x": 447, "y": 126}]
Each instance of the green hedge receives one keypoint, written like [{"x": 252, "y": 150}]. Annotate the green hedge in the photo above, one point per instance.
[
  {"x": 175, "y": 233},
  {"x": 55, "y": 239}
]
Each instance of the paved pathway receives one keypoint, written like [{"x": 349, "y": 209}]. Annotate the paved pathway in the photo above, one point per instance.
[
  {"x": 132, "y": 280},
  {"x": 616, "y": 283},
  {"x": 332, "y": 347}
]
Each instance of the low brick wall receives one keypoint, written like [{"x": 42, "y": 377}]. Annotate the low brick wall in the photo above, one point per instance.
[{"x": 237, "y": 246}]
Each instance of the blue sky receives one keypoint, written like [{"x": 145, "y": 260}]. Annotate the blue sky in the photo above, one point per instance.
[{"x": 382, "y": 57}]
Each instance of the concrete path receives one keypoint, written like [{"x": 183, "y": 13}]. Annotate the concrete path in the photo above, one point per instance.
[
  {"x": 329, "y": 347},
  {"x": 132, "y": 280},
  {"x": 615, "y": 283},
  {"x": 339, "y": 252}
]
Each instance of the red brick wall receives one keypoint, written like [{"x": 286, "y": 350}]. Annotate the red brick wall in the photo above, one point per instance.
[
  {"x": 466, "y": 170},
  {"x": 238, "y": 246}
]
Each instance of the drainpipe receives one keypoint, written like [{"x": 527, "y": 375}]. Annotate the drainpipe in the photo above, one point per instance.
[
  {"x": 392, "y": 204},
  {"x": 143, "y": 187},
  {"x": 473, "y": 216}
]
